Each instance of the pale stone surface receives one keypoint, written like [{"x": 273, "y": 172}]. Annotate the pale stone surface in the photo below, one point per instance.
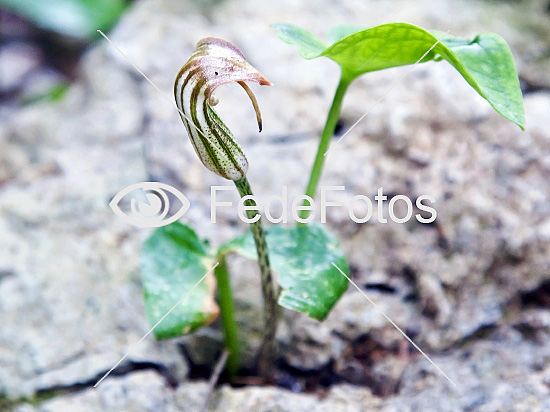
[
  {"x": 489, "y": 376},
  {"x": 70, "y": 295}
]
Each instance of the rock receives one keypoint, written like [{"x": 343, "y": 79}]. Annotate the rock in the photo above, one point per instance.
[
  {"x": 70, "y": 295},
  {"x": 491, "y": 375},
  {"x": 127, "y": 393},
  {"x": 310, "y": 344},
  {"x": 204, "y": 346},
  {"x": 495, "y": 374},
  {"x": 73, "y": 299},
  {"x": 17, "y": 61},
  {"x": 339, "y": 399}
]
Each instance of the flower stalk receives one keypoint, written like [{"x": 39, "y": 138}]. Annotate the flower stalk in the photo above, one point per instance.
[
  {"x": 216, "y": 62},
  {"x": 269, "y": 291}
]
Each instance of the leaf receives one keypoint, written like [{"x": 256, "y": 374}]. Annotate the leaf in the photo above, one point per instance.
[
  {"x": 310, "y": 46},
  {"x": 173, "y": 260},
  {"x": 302, "y": 258},
  {"x": 485, "y": 62},
  {"x": 76, "y": 18}
]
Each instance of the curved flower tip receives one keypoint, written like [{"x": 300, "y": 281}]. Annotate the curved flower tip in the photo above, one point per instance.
[{"x": 214, "y": 62}]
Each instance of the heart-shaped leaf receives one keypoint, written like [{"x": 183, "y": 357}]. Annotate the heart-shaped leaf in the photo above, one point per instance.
[
  {"x": 485, "y": 62},
  {"x": 173, "y": 260},
  {"x": 302, "y": 258}
]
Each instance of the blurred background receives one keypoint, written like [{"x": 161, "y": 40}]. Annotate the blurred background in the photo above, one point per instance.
[{"x": 78, "y": 124}]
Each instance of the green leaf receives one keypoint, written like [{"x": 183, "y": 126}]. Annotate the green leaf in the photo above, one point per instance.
[
  {"x": 302, "y": 258},
  {"x": 309, "y": 45},
  {"x": 485, "y": 62},
  {"x": 173, "y": 260},
  {"x": 76, "y": 18}
]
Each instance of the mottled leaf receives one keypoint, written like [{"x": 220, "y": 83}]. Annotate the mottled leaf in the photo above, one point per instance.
[
  {"x": 302, "y": 258},
  {"x": 173, "y": 260}
]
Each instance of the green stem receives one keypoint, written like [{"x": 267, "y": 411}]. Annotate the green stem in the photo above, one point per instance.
[
  {"x": 227, "y": 309},
  {"x": 269, "y": 289},
  {"x": 326, "y": 135}
]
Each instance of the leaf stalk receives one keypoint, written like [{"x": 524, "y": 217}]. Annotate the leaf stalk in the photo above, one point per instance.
[
  {"x": 326, "y": 135},
  {"x": 227, "y": 311}
]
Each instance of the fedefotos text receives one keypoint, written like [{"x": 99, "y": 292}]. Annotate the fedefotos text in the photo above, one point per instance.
[{"x": 291, "y": 209}]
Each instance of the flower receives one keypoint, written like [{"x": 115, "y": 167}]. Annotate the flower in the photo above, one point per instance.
[{"x": 214, "y": 62}]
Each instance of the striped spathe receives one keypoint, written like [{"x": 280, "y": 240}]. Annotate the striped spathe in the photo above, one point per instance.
[{"x": 214, "y": 62}]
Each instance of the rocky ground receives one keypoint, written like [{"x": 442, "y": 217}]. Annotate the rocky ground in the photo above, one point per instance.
[{"x": 472, "y": 290}]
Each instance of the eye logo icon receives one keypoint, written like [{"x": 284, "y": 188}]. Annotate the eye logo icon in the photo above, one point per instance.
[{"x": 149, "y": 204}]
